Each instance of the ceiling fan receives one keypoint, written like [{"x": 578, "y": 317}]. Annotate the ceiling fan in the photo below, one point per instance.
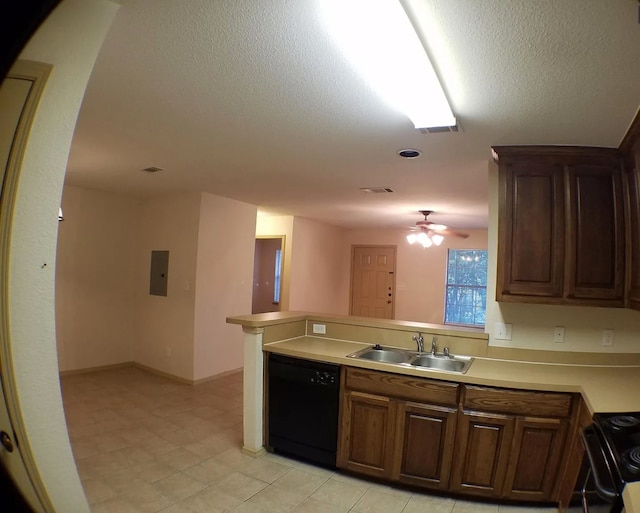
[{"x": 431, "y": 233}]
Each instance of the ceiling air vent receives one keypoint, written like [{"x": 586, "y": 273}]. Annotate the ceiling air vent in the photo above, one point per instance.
[
  {"x": 377, "y": 190},
  {"x": 152, "y": 169},
  {"x": 439, "y": 129}
]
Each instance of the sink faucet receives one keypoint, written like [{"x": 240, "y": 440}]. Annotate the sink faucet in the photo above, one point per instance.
[
  {"x": 418, "y": 339},
  {"x": 433, "y": 345}
]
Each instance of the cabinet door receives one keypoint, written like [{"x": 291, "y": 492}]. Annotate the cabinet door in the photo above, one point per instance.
[
  {"x": 633, "y": 185},
  {"x": 482, "y": 453},
  {"x": 366, "y": 440},
  {"x": 535, "y": 458},
  {"x": 424, "y": 444},
  {"x": 595, "y": 259},
  {"x": 531, "y": 230}
]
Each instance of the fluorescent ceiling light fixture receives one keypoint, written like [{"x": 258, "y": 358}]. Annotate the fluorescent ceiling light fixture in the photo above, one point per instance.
[{"x": 379, "y": 40}]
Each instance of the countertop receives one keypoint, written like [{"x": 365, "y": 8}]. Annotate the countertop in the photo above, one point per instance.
[{"x": 605, "y": 388}]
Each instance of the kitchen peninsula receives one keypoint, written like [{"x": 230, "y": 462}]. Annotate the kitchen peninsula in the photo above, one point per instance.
[{"x": 564, "y": 388}]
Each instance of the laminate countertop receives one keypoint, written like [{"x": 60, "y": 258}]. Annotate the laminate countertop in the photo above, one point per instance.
[{"x": 605, "y": 388}]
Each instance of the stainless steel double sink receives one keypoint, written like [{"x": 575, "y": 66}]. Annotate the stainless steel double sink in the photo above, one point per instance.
[{"x": 437, "y": 361}]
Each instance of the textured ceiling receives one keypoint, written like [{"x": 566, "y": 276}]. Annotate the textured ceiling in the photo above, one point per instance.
[{"x": 250, "y": 99}]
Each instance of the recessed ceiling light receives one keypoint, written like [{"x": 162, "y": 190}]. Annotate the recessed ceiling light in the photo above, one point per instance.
[{"x": 409, "y": 153}]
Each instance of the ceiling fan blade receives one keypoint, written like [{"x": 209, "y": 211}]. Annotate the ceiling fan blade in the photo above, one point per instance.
[
  {"x": 452, "y": 232},
  {"x": 431, "y": 226}
]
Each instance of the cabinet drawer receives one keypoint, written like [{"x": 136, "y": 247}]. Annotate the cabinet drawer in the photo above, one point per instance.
[
  {"x": 517, "y": 402},
  {"x": 404, "y": 387}
]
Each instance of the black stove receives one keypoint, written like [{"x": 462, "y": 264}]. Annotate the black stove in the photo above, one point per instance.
[{"x": 620, "y": 435}]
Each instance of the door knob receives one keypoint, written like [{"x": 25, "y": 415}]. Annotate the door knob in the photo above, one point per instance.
[{"x": 6, "y": 442}]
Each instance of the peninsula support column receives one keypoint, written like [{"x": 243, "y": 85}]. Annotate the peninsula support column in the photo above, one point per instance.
[{"x": 253, "y": 392}]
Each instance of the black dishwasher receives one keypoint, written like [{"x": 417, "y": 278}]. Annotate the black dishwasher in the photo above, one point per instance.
[{"x": 303, "y": 408}]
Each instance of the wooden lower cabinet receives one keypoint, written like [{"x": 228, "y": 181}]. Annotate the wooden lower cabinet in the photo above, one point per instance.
[
  {"x": 535, "y": 460},
  {"x": 483, "y": 443},
  {"x": 367, "y": 429},
  {"x": 424, "y": 444}
]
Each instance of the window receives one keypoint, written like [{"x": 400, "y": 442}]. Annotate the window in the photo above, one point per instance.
[
  {"x": 466, "y": 300},
  {"x": 276, "y": 281}
]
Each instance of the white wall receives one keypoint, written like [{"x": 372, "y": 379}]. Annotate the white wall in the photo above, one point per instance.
[
  {"x": 95, "y": 279},
  {"x": 70, "y": 40},
  {"x": 319, "y": 268},
  {"x": 224, "y": 276},
  {"x": 420, "y": 272},
  {"x": 165, "y": 325},
  {"x": 533, "y": 324}
]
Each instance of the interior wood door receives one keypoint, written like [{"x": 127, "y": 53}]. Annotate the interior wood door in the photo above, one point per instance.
[
  {"x": 366, "y": 434},
  {"x": 373, "y": 281},
  {"x": 424, "y": 444},
  {"x": 482, "y": 453}
]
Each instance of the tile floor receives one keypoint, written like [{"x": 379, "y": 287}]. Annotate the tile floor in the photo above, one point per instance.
[{"x": 146, "y": 444}]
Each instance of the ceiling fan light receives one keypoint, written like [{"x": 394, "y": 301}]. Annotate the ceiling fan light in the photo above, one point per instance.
[
  {"x": 411, "y": 238},
  {"x": 427, "y": 243},
  {"x": 437, "y": 239}
]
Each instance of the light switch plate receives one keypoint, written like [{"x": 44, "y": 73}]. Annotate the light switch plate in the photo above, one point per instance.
[
  {"x": 558, "y": 334},
  {"x": 320, "y": 329},
  {"x": 502, "y": 331},
  {"x": 607, "y": 337}
]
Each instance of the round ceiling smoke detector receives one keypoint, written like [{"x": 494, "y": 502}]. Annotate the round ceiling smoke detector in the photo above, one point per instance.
[{"x": 409, "y": 153}]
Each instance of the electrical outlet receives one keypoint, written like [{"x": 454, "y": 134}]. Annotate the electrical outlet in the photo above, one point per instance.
[
  {"x": 502, "y": 331},
  {"x": 558, "y": 334},
  {"x": 320, "y": 329},
  {"x": 607, "y": 337}
]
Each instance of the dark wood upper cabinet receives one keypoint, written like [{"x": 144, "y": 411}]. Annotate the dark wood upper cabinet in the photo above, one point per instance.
[
  {"x": 633, "y": 186},
  {"x": 531, "y": 229},
  {"x": 561, "y": 237},
  {"x": 630, "y": 148},
  {"x": 596, "y": 243}
]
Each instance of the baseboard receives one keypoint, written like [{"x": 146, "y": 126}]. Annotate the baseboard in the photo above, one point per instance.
[
  {"x": 162, "y": 374},
  {"x": 185, "y": 381},
  {"x": 252, "y": 453},
  {"x": 217, "y": 376},
  {"x": 150, "y": 370},
  {"x": 96, "y": 369}
]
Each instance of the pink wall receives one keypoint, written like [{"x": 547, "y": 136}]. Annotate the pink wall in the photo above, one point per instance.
[
  {"x": 264, "y": 266},
  {"x": 165, "y": 325},
  {"x": 95, "y": 278},
  {"x": 420, "y": 272},
  {"x": 319, "y": 268},
  {"x": 224, "y": 276}
]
